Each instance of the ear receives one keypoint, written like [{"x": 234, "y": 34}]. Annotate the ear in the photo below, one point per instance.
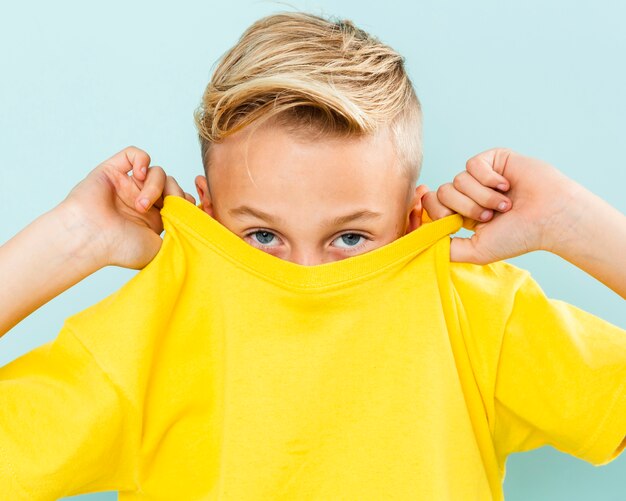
[
  {"x": 414, "y": 217},
  {"x": 202, "y": 188}
]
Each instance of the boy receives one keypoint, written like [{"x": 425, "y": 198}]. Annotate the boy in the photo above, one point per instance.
[{"x": 408, "y": 371}]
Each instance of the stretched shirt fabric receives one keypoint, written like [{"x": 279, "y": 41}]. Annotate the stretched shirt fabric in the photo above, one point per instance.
[{"x": 221, "y": 372}]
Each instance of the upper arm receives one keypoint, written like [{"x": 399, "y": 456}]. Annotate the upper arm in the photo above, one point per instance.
[{"x": 63, "y": 424}]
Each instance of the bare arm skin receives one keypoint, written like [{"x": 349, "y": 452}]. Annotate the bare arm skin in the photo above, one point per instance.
[
  {"x": 545, "y": 210},
  {"x": 592, "y": 236},
  {"x": 49, "y": 256},
  {"x": 100, "y": 223}
]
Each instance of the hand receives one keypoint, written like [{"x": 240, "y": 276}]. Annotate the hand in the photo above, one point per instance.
[
  {"x": 107, "y": 205},
  {"x": 536, "y": 194}
]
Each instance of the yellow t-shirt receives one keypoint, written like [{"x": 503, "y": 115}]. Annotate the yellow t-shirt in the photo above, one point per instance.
[{"x": 222, "y": 372}]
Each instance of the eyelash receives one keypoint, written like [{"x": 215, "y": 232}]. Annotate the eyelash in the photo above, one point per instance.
[{"x": 346, "y": 249}]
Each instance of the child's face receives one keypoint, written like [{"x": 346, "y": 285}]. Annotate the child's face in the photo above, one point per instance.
[{"x": 295, "y": 189}]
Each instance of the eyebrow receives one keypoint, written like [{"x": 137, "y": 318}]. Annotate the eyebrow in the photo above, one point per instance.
[{"x": 245, "y": 210}]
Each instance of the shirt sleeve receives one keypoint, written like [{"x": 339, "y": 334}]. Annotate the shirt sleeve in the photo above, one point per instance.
[
  {"x": 63, "y": 425},
  {"x": 560, "y": 379}
]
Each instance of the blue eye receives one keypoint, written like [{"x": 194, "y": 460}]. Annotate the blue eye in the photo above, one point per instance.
[
  {"x": 265, "y": 237},
  {"x": 350, "y": 239}
]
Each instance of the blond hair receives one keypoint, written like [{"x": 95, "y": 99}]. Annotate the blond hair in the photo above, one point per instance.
[{"x": 309, "y": 74}]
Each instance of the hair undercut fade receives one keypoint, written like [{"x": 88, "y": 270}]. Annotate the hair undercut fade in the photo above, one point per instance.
[{"x": 314, "y": 76}]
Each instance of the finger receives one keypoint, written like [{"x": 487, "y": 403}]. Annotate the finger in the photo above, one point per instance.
[
  {"x": 153, "y": 218},
  {"x": 434, "y": 208},
  {"x": 190, "y": 198},
  {"x": 469, "y": 250},
  {"x": 449, "y": 196},
  {"x": 488, "y": 167},
  {"x": 462, "y": 250},
  {"x": 172, "y": 188},
  {"x": 129, "y": 158},
  {"x": 484, "y": 196},
  {"x": 151, "y": 190}
]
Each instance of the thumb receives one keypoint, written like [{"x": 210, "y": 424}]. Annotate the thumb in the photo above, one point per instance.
[{"x": 462, "y": 250}]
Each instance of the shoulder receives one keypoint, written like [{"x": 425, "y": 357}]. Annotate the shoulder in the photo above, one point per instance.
[{"x": 499, "y": 280}]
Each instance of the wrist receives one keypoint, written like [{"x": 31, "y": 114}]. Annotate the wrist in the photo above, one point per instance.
[
  {"x": 51, "y": 254},
  {"x": 561, "y": 231},
  {"x": 590, "y": 234},
  {"x": 77, "y": 241}
]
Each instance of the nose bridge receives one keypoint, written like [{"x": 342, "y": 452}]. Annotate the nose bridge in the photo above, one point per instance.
[{"x": 306, "y": 255}]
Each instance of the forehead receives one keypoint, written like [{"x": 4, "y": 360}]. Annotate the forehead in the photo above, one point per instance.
[{"x": 272, "y": 158}]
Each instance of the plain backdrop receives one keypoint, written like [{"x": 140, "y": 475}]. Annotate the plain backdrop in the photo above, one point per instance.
[{"x": 82, "y": 80}]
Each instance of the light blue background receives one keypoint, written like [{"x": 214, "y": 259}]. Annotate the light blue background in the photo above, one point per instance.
[{"x": 80, "y": 81}]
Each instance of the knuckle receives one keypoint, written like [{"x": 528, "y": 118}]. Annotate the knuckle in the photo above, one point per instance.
[
  {"x": 445, "y": 193},
  {"x": 474, "y": 168},
  {"x": 158, "y": 170},
  {"x": 459, "y": 179},
  {"x": 472, "y": 163},
  {"x": 136, "y": 149},
  {"x": 427, "y": 196},
  {"x": 137, "y": 152},
  {"x": 441, "y": 189}
]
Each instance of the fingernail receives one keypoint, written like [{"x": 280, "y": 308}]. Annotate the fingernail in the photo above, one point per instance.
[
  {"x": 144, "y": 202},
  {"x": 501, "y": 186},
  {"x": 502, "y": 205},
  {"x": 144, "y": 170},
  {"x": 485, "y": 215}
]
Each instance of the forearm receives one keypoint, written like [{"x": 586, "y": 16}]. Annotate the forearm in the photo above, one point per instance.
[
  {"x": 44, "y": 259},
  {"x": 592, "y": 237}
]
